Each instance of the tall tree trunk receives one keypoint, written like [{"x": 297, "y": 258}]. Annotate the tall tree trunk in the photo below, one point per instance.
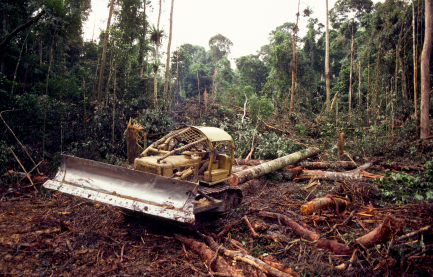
[
  {"x": 114, "y": 102},
  {"x": 142, "y": 41},
  {"x": 198, "y": 86},
  {"x": 155, "y": 77},
  {"x": 167, "y": 66},
  {"x": 293, "y": 60},
  {"x": 213, "y": 78},
  {"x": 403, "y": 80},
  {"x": 327, "y": 76},
  {"x": 359, "y": 85},
  {"x": 104, "y": 52},
  {"x": 425, "y": 70},
  {"x": 351, "y": 73},
  {"x": 415, "y": 71}
]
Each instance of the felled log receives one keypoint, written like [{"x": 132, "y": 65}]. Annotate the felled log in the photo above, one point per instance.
[
  {"x": 253, "y": 232},
  {"x": 357, "y": 174},
  {"x": 331, "y": 245},
  {"x": 272, "y": 166},
  {"x": 327, "y": 165},
  {"x": 257, "y": 263},
  {"x": 380, "y": 234},
  {"x": 414, "y": 233},
  {"x": 270, "y": 260},
  {"x": 329, "y": 201},
  {"x": 239, "y": 161},
  {"x": 218, "y": 265}
]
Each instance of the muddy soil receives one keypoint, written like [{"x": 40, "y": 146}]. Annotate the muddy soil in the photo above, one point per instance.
[{"x": 62, "y": 235}]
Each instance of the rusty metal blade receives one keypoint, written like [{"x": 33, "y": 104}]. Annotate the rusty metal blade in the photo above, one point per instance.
[{"x": 131, "y": 189}]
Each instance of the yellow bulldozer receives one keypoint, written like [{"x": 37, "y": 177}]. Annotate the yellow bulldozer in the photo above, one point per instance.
[{"x": 187, "y": 174}]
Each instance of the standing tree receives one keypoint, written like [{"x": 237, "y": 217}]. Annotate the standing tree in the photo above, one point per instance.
[
  {"x": 220, "y": 46},
  {"x": 104, "y": 52},
  {"x": 295, "y": 29},
  {"x": 425, "y": 70},
  {"x": 327, "y": 76},
  {"x": 156, "y": 37},
  {"x": 167, "y": 66}
]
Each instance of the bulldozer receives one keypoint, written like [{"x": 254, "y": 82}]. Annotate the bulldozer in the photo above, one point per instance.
[{"x": 187, "y": 174}]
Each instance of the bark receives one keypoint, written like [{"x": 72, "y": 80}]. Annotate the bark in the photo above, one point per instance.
[
  {"x": 257, "y": 263},
  {"x": 217, "y": 265},
  {"x": 380, "y": 234},
  {"x": 167, "y": 66},
  {"x": 104, "y": 53},
  {"x": 333, "y": 246},
  {"x": 132, "y": 141},
  {"x": 425, "y": 71},
  {"x": 337, "y": 176},
  {"x": 415, "y": 71},
  {"x": 359, "y": 85},
  {"x": 293, "y": 61},
  {"x": 351, "y": 73},
  {"x": 329, "y": 201},
  {"x": 253, "y": 232},
  {"x": 142, "y": 41},
  {"x": 330, "y": 165},
  {"x": 240, "y": 161},
  {"x": 327, "y": 77},
  {"x": 155, "y": 77},
  {"x": 272, "y": 166}
]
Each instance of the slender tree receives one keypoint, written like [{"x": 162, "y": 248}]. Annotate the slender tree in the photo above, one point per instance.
[
  {"x": 425, "y": 70},
  {"x": 415, "y": 71},
  {"x": 155, "y": 67},
  {"x": 104, "y": 52},
  {"x": 167, "y": 66},
  {"x": 295, "y": 30},
  {"x": 327, "y": 76}
]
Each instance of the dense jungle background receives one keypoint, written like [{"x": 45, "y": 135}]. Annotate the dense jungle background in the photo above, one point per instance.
[{"x": 369, "y": 76}]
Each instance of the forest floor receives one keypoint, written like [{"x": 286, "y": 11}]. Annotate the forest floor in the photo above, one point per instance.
[{"x": 54, "y": 234}]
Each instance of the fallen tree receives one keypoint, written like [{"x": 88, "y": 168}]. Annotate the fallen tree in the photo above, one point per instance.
[
  {"x": 327, "y": 165},
  {"x": 272, "y": 166},
  {"x": 329, "y": 201},
  {"x": 213, "y": 261},
  {"x": 331, "y": 245},
  {"x": 257, "y": 263}
]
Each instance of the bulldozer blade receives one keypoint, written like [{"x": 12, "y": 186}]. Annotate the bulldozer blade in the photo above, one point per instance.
[{"x": 126, "y": 188}]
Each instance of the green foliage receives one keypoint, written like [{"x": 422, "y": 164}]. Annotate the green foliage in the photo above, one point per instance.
[
  {"x": 403, "y": 188},
  {"x": 260, "y": 108}
]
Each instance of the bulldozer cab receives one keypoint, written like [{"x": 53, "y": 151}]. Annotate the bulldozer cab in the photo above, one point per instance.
[{"x": 191, "y": 153}]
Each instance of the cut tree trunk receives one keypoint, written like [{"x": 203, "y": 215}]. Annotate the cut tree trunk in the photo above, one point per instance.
[
  {"x": 257, "y": 263},
  {"x": 272, "y": 166},
  {"x": 329, "y": 201},
  {"x": 216, "y": 263},
  {"x": 327, "y": 165},
  {"x": 380, "y": 234},
  {"x": 333, "y": 246}
]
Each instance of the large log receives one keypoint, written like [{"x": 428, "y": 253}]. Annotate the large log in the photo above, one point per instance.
[
  {"x": 217, "y": 265},
  {"x": 336, "y": 202},
  {"x": 331, "y": 245},
  {"x": 248, "y": 259},
  {"x": 328, "y": 165},
  {"x": 272, "y": 166}
]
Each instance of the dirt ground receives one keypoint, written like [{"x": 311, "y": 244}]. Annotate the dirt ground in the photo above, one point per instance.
[{"x": 62, "y": 235}]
